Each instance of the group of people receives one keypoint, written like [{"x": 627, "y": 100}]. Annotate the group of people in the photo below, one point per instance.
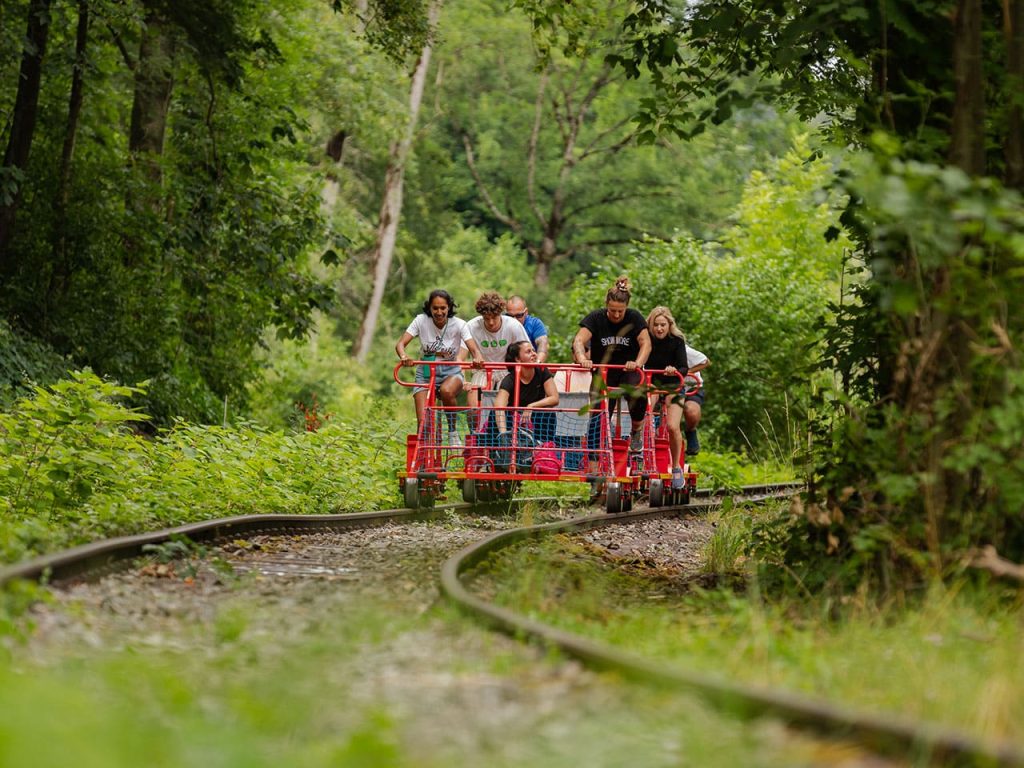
[{"x": 615, "y": 335}]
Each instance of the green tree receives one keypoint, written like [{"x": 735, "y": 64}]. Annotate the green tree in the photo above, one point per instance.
[
  {"x": 172, "y": 199},
  {"x": 751, "y": 302},
  {"x": 550, "y": 152},
  {"x": 930, "y": 91}
]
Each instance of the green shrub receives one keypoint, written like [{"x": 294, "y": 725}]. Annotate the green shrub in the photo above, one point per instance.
[
  {"x": 72, "y": 469},
  {"x": 25, "y": 362}
]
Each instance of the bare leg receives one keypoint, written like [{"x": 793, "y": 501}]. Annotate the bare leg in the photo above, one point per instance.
[
  {"x": 691, "y": 409},
  {"x": 450, "y": 389},
  {"x": 474, "y": 417},
  {"x": 691, "y": 412},
  {"x": 675, "y": 432},
  {"x": 419, "y": 400}
]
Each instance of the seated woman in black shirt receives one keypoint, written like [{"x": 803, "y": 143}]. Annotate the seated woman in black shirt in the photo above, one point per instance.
[{"x": 536, "y": 390}]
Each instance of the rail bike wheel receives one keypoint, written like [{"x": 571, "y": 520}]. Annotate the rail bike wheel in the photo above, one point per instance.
[
  {"x": 469, "y": 491},
  {"x": 427, "y": 498},
  {"x": 657, "y": 493},
  {"x": 613, "y": 499},
  {"x": 627, "y": 500},
  {"x": 485, "y": 492},
  {"x": 411, "y": 490},
  {"x": 684, "y": 496}
]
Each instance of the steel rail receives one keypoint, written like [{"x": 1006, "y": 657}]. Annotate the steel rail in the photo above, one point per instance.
[
  {"x": 97, "y": 558},
  {"x": 884, "y": 733},
  {"x": 93, "y": 560}
]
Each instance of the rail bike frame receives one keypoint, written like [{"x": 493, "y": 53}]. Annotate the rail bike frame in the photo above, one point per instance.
[{"x": 576, "y": 441}]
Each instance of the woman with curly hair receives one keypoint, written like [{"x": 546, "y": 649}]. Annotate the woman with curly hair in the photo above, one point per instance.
[{"x": 442, "y": 336}]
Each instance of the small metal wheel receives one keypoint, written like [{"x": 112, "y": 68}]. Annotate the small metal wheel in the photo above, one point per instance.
[
  {"x": 411, "y": 491},
  {"x": 627, "y": 500},
  {"x": 427, "y": 498},
  {"x": 485, "y": 492},
  {"x": 469, "y": 494},
  {"x": 684, "y": 496},
  {"x": 613, "y": 502},
  {"x": 657, "y": 493}
]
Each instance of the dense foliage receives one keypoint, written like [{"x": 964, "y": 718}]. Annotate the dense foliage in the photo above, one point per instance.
[
  {"x": 173, "y": 172},
  {"x": 751, "y": 301},
  {"x": 73, "y": 470},
  {"x": 167, "y": 210},
  {"x": 912, "y": 470}
]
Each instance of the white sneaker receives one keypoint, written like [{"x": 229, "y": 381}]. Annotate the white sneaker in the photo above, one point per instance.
[{"x": 454, "y": 441}]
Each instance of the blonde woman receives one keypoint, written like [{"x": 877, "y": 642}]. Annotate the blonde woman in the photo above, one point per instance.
[{"x": 668, "y": 353}]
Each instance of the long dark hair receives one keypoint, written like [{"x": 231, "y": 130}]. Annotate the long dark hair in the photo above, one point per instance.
[
  {"x": 512, "y": 354},
  {"x": 444, "y": 295}
]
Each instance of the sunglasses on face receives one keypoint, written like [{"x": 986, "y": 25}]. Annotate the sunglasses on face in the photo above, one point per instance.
[{"x": 516, "y": 315}]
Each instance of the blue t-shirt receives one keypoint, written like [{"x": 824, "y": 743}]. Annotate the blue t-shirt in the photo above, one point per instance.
[{"x": 535, "y": 328}]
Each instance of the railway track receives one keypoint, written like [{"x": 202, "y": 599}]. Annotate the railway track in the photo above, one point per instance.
[{"x": 886, "y": 735}]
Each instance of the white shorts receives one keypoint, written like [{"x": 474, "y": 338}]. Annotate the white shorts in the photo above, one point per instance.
[{"x": 479, "y": 379}]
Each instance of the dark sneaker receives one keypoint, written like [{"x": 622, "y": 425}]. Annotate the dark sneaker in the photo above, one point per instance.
[
  {"x": 692, "y": 443},
  {"x": 678, "y": 479},
  {"x": 636, "y": 441}
]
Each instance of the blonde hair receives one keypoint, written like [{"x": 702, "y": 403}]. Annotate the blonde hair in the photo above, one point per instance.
[
  {"x": 620, "y": 291},
  {"x": 665, "y": 312}
]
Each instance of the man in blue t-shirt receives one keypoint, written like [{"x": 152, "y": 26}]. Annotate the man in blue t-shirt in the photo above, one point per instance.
[{"x": 516, "y": 307}]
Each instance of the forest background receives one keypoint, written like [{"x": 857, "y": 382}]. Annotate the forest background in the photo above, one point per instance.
[{"x": 207, "y": 197}]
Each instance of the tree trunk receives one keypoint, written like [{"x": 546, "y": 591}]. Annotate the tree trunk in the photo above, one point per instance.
[
  {"x": 391, "y": 205},
  {"x": 23, "y": 121},
  {"x": 546, "y": 255},
  {"x": 1014, "y": 32},
  {"x": 967, "y": 144},
  {"x": 152, "y": 99},
  {"x": 70, "y": 136}
]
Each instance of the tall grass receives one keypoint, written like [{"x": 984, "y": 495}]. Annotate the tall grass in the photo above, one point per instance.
[{"x": 954, "y": 656}]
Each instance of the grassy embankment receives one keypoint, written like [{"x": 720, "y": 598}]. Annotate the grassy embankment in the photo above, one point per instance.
[{"x": 950, "y": 655}]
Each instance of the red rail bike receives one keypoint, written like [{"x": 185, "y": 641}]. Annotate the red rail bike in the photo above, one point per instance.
[{"x": 576, "y": 441}]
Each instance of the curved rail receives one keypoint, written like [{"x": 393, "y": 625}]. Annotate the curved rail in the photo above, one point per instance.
[
  {"x": 97, "y": 558},
  {"x": 884, "y": 733}
]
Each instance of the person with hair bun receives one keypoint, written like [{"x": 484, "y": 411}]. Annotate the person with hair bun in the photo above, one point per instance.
[
  {"x": 616, "y": 335},
  {"x": 442, "y": 336}
]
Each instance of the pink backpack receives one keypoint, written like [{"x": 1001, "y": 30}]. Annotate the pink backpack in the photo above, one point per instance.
[{"x": 546, "y": 460}]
